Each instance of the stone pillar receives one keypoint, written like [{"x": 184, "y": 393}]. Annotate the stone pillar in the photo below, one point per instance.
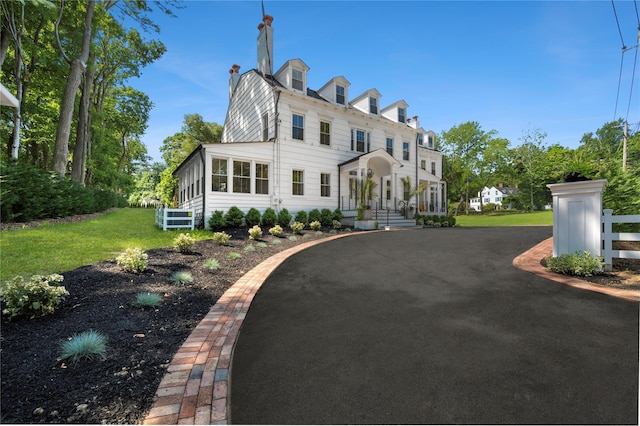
[{"x": 577, "y": 217}]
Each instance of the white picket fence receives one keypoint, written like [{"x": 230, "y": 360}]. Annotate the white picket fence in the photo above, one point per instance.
[
  {"x": 608, "y": 236},
  {"x": 167, "y": 218}
]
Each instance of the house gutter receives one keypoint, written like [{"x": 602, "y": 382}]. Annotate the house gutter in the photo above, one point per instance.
[{"x": 204, "y": 200}]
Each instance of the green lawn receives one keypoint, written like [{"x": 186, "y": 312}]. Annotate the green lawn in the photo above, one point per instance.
[
  {"x": 58, "y": 248},
  {"x": 515, "y": 219}
]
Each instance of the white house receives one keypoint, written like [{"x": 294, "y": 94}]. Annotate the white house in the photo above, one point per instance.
[
  {"x": 285, "y": 145},
  {"x": 493, "y": 195}
]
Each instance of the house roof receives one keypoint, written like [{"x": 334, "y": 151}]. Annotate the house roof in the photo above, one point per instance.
[{"x": 375, "y": 153}]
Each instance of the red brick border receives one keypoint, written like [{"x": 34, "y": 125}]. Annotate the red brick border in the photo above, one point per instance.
[
  {"x": 195, "y": 389},
  {"x": 530, "y": 261}
]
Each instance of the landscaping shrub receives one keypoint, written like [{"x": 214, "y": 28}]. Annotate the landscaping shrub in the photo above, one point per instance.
[
  {"x": 326, "y": 217},
  {"x": 148, "y": 300},
  {"x": 301, "y": 217},
  {"x": 133, "y": 260},
  {"x": 252, "y": 217},
  {"x": 255, "y": 233},
  {"x": 234, "y": 217},
  {"x": 250, "y": 248},
  {"x": 337, "y": 215},
  {"x": 183, "y": 243},
  {"x": 217, "y": 221},
  {"x": 284, "y": 218},
  {"x": 87, "y": 345},
  {"x": 315, "y": 216},
  {"x": 212, "y": 264},
  {"x": 221, "y": 238},
  {"x": 269, "y": 217},
  {"x": 297, "y": 227},
  {"x": 276, "y": 231},
  {"x": 315, "y": 225},
  {"x": 580, "y": 264},
  {"x": 181, "y": 277},
  {"x": 33, "y": 298},
  {"x": 234, "y": 255},
  {"x": 336, "y": 224}
]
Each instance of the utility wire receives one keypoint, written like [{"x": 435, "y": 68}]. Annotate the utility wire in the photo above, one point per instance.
[
  {"x": 615, "y": 111},
  {"x": 633, "y": 76},
  {"x": 618, "y": 24},
  {"x": 635, "y": 4}
]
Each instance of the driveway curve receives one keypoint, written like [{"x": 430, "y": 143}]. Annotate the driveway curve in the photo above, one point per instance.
[{"x": 432, "y": 326}]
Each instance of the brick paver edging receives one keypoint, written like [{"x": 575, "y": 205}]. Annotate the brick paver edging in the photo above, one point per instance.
[
  {"x": 195, "y": 388},
  {"x": 530, "y": 261}
]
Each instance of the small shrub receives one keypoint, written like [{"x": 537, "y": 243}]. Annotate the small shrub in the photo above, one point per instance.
[
  {"x": 253, "y": 217},
  {"x": 261, "y": 244},
  {"x": 255, "y": 233},
  {"x": 284, "y": 218},
  {"x": 87, "y": 345},
  {"x": 33, "y": 298},
  {"x": 269, "y": 217},
  {"x": 276, "y": 241},
  {"x": 276, "y": 231},
  {"x": 148, "y": 300},
  {"x": 133, "y": 260},
  {"x": 326, "y": 217},
  {"x": 318, "y": 233},
  {"x": 315, "y": 216},
  {"x": 217, "y": 221},
  {"x": 335, "y": 224},
  {"x": 306, "y": 236},
  {"x": 249, "y": 248},
  {"x": 301, "y": 217},
  {"x": 221, "y": 238},
  {"x": 181, "y": 277},
  {"x": 183, "y": 243},
  {"x": 234, "y": 217},
  {"x": 234, "y": 256},
  {"x": 337, "y": 215},
  {"x": 293, "y": 238},
  {"x": 297, "y": 227},
  {"x": 580, "y": 264},
  {"x": 212, "y": 264},
  {"x": 451, "y": 220},
  {"x": 333, "y": 231},
  {"x": 315, "y": 225}
]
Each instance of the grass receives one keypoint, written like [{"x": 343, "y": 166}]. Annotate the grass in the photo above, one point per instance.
[
  {"x": 181, "y": 277},
  {"x": 544, "y": 218},
  {"x": 151, "y": 300},
  {"x": 88, "y": 345},
  {"x": 63, "y": 247}
]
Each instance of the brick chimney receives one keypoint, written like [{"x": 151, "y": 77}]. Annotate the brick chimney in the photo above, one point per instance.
[{"x": 265, "y": 46}]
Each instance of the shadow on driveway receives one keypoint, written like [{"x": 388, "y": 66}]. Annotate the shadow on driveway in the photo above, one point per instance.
[{"x": 432, "y": 326}]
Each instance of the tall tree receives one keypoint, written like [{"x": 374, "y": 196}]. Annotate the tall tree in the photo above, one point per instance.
[{"x": 529, "y": 157}]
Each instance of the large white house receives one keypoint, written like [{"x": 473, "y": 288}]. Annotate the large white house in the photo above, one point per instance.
[
  {"x": 494, "y": 195},
  {"x": 285, "y": 145}
]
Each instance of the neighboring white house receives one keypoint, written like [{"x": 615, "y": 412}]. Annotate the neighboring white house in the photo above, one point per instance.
[
  {"x": 285, "y": 145},
  {"x": 493, "y": 195}
]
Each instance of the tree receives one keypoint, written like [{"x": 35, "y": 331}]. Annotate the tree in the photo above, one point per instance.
[{"x": 529, "y": 158}]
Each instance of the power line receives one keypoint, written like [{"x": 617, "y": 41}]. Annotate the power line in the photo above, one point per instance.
[
  {"x": 615, "y": 111},
  {"x": 618, "y": 24},
  {"x": 635, "y": 4},
  {"x": 633, "y": 76}
]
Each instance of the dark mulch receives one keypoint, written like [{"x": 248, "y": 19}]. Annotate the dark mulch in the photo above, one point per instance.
[{"x": 39, "y": 387}]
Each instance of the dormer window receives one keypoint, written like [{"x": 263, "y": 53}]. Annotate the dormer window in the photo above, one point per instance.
[
  {"x": 420, "y": 139},
  {"x": 340, "y": 95},
  {"x": 430, "y": 141},
  {"x": 297, "y": 79},
  {"x": 402, "y": 115},
  {"x": 373, "y": 106}
]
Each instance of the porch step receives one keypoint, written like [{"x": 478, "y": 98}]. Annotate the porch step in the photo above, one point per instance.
[{"x": 395, "y": 219}]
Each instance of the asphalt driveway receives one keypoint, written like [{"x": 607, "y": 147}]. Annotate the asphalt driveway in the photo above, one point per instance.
[{"x": 432, "y": 326}]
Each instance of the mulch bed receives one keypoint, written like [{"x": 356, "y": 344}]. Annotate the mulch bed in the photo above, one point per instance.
[{"x": 38, "y": 387}]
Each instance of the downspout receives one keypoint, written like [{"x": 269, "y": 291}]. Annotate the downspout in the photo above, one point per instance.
[
  {"x": 204, "y": 186},
  {"x": 417, "y": 178},
  {"x": 276, "y": 141}
]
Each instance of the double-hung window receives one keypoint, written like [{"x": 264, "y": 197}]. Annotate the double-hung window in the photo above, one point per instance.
[
  {"x": 325, "y": 133},
  {"x": 430, "y": 141},
  {"x": 297, "y": 79},
  {"x": 325, "y": 184},
  {"x": 390, "y": 146},
  {"x": 423, "y": 164},
  {"x": 340, "y": 95},
  {"x": 433, "y": 167},
  {"x": 405, "y": 151},
  {"x": 373, "y": 105},
  {"x": 262, "y": 178},
  {"x": 420, "y": 139},
  {"x": 219, "y": 175},
  {"x": 297, "y": 181},
  {"x": 297, "y": 127},
  {"x": 360, "y": 140},
  {"x": 242, "y": 177},
  {"x": 402, "y": 115}
]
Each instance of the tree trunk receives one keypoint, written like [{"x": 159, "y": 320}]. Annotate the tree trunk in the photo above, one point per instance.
[
  {"x": 80, "y": 151},
  {"x": 61, "y": 150}
]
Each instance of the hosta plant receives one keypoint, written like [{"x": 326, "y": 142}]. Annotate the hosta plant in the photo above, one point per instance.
[
  {"x": 183, "y": 243},
  {"x": 221, "y": 238},
  {"x": 37, "y": 296},
  {"x": 87, "y": 345},
  {"x": 133, "y": 260},
  {"x": 255, "y": 232}
]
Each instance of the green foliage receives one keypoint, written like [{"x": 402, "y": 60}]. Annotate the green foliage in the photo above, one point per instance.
[
  {"x": 249, "y": 248},
  {"x": 293, "y": 238},
  {"x": 217, "y": 221},
  {"x": 261, "y": 244},
  {"x": 269, "y": 217},
  {"x": 326, "y": 217},
  {"x": 337, "y": 215},
  {"x": 580, "y": 264},
  {"x": 336, "y": 224},
  {"x": 148, "y": 300},
  {"x": 276, "y": 241},
  {"x": 183, "y": 243},
  {"x": 234, "y": 256},
  {"x": 315, "y": 216},
  {"x": 181, "y": 277},
  {"x": 212, "y": 264},
  {"x": 252, "y": 217},
  {"x": 86, "y": 345},
  {"x": 284, "y": 218},
  {"x": 297, "y": 227},
  {"x": 33, "y": 298},
  {"x": 234, "y": 217},
  {"x": 315, "y": 225},
  {"x": 255, "y": 233},
  {"x": 276, "y": 231},
  {"x": 221, "y": 238},
  {"x": 488, "y": 207},
  {"x": 301, "y": 217},
  {"x": 133, "y": 260}
]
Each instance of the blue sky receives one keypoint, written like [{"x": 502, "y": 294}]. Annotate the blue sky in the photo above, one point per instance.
[{"x": 512, "y": 66}]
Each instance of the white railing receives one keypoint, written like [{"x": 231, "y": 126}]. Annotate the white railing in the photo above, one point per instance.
[
  {"x": 167, "y": 218},
  {"x": 608, "y": 236}
]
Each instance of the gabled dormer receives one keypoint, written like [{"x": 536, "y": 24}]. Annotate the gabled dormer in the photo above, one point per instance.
[
  {"x": 336, "y": 91},
  {"x": 368, "y": 102},
  {"x": 293, "y": 75},
  {"x": 396, "y": 112}
]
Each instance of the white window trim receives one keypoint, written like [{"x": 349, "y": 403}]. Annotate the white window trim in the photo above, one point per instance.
[{"x": 303, "y": 182}]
